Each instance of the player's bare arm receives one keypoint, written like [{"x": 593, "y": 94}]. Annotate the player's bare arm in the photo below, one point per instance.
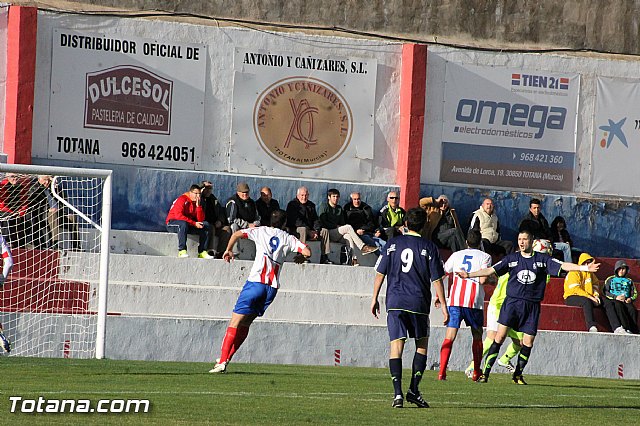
[
  {"x": 377, "y": 285},
  {"x": 439, "y": 287},
  {"x": 480, "y": 273},
  {"x": 228, "y": 253},
  {"x": 303, "y": 255},
  {"x": 591, "y": 267}
]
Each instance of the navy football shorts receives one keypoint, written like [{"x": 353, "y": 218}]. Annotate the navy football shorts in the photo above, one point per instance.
[
  {"x": 520, "y": 315},
  {"x": 403, "y": 323},
  {"x": 472, "y": 317},
  {"x": 255, "y": 298}
]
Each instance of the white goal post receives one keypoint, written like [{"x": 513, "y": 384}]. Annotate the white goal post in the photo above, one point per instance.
[{"x": 56, "y": 221}]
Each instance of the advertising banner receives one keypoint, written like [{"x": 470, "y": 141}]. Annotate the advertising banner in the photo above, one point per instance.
[
  {"x": 509, "y": 128},
  {"x": 126, "y": 100},
  {"x": 300, "y": 115},
  {"x": 616, "y": 145}
]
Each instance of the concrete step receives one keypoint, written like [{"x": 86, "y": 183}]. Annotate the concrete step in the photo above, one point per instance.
[
  {"x": 166, "y": 244},
  {"x": 218, "y": 302},
  {"x": 215, "y": 272}
]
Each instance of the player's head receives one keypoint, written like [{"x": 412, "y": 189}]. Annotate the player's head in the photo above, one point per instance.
[
  {"x": 474, "y": 239},
  {"x": 278, "y": 219},
  {"x": 525, "y": 240},
  {"x": 415, "y": 219}
]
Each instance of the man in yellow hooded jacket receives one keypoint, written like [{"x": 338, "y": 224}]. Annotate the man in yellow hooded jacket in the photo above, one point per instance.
[{"x": 582, "y": 289}]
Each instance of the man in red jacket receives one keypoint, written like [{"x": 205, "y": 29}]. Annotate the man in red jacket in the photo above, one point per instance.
[{"x": 186, "y": 215}]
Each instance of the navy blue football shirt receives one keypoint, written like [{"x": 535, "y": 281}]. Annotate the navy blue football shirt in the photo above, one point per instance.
[
  {"x": 410, "y": 264},
  {"x": 527, "y": 275}
]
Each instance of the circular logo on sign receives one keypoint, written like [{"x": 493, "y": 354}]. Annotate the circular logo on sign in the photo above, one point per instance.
[{"x": 302, "y": 122}]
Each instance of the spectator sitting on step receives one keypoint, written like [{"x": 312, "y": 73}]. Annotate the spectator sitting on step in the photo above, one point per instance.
[
  {"x": 302, "y": 217},
  {"x": 485, "y": 220},
  {"x": 361, "y": 218},
  {"x": 392, "y": 216},
  {"x": 432, "y": 207},
  {"x": 216, "y": 216},
  {"x": 335, "y": 228},
  {"x": 582, "y": 289},
  {"x": 186, "y": 215},
  {"x": 620, "y": 291},
  {"x": 241, "y": 209},
  {"x": 447, "y": 232},
  {"x": 242, "y": 212},
  {"x": 266, "y": 205},
  {"x": 560, "y": 237},
  {"x": 535, "y": 222}
]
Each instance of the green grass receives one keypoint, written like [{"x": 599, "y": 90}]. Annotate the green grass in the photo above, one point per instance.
[{"x": 184, "y": 393}]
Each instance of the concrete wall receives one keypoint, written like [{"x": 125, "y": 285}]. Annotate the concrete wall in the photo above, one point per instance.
[
  {"x": 607, "y": 26},
  {"x": 142, "y": 196},
  {"x": 197, "y": 340},
  {"x": 221, "y": 42},
  {"x": 4, "y": 17}
]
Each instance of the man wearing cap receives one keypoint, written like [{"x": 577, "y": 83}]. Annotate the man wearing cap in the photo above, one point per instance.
[{"x": 241, "y": 209}]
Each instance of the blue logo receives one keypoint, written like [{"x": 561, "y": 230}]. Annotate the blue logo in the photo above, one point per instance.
[{"x": 613, "y": 130}]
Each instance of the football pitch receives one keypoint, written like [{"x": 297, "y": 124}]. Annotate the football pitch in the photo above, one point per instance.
[{"x": 261, "y": 394}]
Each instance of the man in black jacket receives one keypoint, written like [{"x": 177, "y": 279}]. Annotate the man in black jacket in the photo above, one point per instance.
[
  {"x": 360, "y": 216},
  {"x": 302, "y": 217},
  {"x": 266, "y": 205},
  {"x": 535, "y": 222},
  {"x": 216, "y": 216}
]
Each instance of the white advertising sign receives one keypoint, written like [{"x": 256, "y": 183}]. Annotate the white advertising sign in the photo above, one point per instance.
[
  {"x": 126, "y": 100},
  {"x": 509, "y": 127},
  {"x": 300, "y": 115},
  {"x": 616, "y": 145}
]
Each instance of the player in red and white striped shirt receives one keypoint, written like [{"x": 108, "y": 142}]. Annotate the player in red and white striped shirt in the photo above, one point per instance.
[
  {"x": 272, "y": 246},
  {"x": 465, "y": 301}
]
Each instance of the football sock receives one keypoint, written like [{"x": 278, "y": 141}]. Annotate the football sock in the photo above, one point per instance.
[
  {"x": 523, "y": 358},
  {"x": 395, "y": 367},
  {"x": 227, "y": 342},
  {"x": 445, "y": 353},
  {"x": 486, "y": 345},
  {"x": 492, "y": 355},
  {"x": 241, "y": 335},
  {"x": 419, "y": 365},
  {"x": 476, "y": 349},
  {"x": 512, "y": 351}
]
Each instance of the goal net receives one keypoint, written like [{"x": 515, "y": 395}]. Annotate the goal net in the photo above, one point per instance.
[{"x": 55, "y": 224}]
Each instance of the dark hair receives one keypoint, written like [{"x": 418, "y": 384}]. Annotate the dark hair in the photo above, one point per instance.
[
  {"x": 278, "y": 219},
  {"x": 527, "y": 225},
  {"x": 416, "y": 218},
  {"x": 556, "y": 221},
  {"x": 194, "y": 186},
  {"x": 474, "y": 238},
  {"x": 333, "y": 191},
  {"x": 535, "y": 201},
  {"x": 526, "y": 231}
]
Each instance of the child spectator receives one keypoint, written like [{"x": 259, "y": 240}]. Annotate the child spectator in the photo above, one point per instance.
[{"x": 620, "y": 291}]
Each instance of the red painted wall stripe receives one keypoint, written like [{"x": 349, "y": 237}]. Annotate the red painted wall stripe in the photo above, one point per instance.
[
  {"x": 21, "y": 68},
  {"x": 412, "y": 100}
]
